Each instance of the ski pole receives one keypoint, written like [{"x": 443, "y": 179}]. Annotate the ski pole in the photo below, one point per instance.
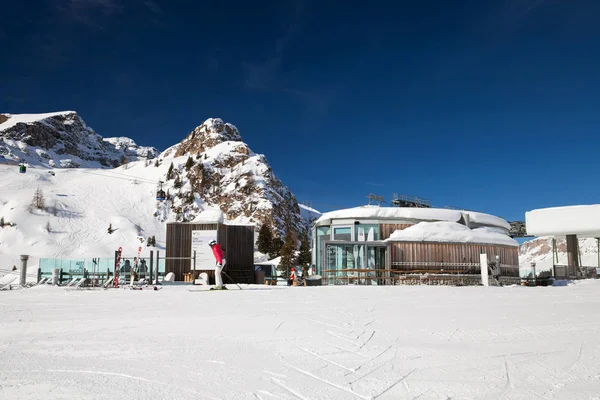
[{"x": 228, "y": 277}]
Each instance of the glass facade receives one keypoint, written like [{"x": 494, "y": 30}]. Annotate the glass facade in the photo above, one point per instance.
[{"x": 343, "y": 256}]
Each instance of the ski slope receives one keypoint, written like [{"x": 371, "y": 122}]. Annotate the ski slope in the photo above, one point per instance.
[
  {"x": 87, "y": 201},
  {"x": 302, "y": 343}
]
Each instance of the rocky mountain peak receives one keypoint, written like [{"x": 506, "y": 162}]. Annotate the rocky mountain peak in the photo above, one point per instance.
[
  {"x": 210, "y": 133},
  {"x": 63, "y": 139},
  {"x": 213, "y": 163}
]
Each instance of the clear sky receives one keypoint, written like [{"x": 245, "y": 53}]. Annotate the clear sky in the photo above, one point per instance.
[{"x": 487, "y": 105}]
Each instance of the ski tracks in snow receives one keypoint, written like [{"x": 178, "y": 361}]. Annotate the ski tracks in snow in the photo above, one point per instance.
[{"x": 357, "y": 361}]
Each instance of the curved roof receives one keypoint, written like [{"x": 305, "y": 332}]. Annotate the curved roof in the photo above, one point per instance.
[
  {"x": 582, "y": 220},
  {"x": 419, "y": 214}
]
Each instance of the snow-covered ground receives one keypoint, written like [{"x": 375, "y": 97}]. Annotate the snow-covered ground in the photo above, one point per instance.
[{"x": 302, "y": 343}]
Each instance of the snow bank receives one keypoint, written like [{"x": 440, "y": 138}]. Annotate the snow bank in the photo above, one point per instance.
[
  {"x": 427, "y": 214},
  {"x": 14, "y": 119},
  {"x": 451, "y": 232},
  {"x": 580, "y": 220}
]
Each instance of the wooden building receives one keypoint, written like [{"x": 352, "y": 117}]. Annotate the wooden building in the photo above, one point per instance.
[
  {"x": 380, "y": 244},
  {"x": 237, "y": 242}
]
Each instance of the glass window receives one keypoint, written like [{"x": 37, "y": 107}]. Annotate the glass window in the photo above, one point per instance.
[
  {"x": 342, "y": 233},
  {"x": 366, "y": 232},
  {"x": 323, "y": 233}
]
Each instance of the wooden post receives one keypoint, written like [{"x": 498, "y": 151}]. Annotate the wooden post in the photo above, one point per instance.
[
  {"x": 157, "y": 264},
  {"x": 572, "y": 256}
]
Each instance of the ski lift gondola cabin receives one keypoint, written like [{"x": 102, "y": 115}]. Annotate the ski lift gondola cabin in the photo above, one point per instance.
[{"x": 160, "y": 193}]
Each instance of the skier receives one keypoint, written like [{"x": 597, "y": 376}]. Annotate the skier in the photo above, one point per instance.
[
  {"x": 292, "y": 277},
  {"x": 218, "y": 253}
]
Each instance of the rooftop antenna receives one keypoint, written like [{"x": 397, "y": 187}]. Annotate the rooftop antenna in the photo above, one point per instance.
[{"x": 374, "y": 198}]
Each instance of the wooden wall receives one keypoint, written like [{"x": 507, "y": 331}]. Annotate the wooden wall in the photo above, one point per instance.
[
  {"x": 237, "y": 242},
  {"x": 422, "y": 253},
  {"x": 386, "y": 230}
]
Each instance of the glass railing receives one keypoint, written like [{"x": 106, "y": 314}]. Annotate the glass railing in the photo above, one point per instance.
[{"x": 98, "y": 270}]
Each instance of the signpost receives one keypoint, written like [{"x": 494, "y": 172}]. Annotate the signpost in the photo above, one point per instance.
[{"x": 204, "y": 256}]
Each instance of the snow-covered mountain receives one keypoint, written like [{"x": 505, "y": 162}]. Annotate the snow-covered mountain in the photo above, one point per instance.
[
  {"x": 212, "y": 165},
  {"x": 63, "y": 140},
  {"x": 539, "y": 250},
  {"x": 214, "y": 176}
]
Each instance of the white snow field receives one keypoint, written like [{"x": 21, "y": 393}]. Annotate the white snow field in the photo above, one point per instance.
[{"x": 344, "y": 342}]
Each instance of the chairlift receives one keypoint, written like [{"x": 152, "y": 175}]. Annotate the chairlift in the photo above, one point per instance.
[
  {"x": 160, "y": 194},
  {"x": 22, "y": 168}
]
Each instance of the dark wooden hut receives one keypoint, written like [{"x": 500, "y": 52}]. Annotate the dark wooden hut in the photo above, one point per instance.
[{"x": 237, "y": 242}]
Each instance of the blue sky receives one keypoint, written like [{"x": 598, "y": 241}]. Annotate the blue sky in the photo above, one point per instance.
[{"x": 486, "y": 105}]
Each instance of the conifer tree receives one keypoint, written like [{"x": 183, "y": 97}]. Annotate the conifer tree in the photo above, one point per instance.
[
  {"x": 265, "y": 238},
  {"x": 288, "y": 251},
  {"x": 170, "y": 171},
  {"x": 304, "y": 256},
  {"x": 189, "y": 163}
]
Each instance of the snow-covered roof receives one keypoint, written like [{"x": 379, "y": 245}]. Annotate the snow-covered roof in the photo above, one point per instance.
[
  {"x": 210, "y": 215},
  {"x": 411, "y": 213},
  {"x": 581, "y": 220},
  {"x": 27, "y": 118},
  {"x": 451, "y": 232}
]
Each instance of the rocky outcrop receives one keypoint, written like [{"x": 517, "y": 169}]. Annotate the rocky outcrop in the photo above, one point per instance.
[{"x": 63, "y": 140}]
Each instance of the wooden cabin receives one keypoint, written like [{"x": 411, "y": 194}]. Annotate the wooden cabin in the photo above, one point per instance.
[{"x": 237, "y": 242}]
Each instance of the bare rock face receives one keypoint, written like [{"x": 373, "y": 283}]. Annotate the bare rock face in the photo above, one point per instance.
[
  {"x": 214, "y": 163},
  {"x": 63, "y": 140}
]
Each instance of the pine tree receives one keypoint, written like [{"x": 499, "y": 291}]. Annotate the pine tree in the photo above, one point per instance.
[
  {"x": 48, "y": 227},
  {"x": 288, "y": 251},
  {"x": 156, "y": 163},
  {"x": 2, "y": 223},
  {"x": 177, "y": 184},
  {"x": 265, "y": 238},
  {"x": 170, "y": 171},
  {"x": 304, "y": 257},
  {"x": 189, "y": 163},
  {"x": 275, "y": 248},
  {"x": 110, "y": 229}
]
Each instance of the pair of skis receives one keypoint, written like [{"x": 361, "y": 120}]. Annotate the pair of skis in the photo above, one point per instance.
[{"x": 118, "y": 264}]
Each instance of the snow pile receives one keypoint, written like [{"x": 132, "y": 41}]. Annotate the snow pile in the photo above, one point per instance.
[
  {"x": 451, "y": 232},
  {"x": 414, "y": 214},
  {"x": 443, "y": 342},
  {"x": 561, "y": 221}
]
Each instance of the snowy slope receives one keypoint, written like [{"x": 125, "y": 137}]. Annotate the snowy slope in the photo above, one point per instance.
[
  {"x": 227, "y": 183},
  {"x": 86, "y": 202},
  {"x": 317, "y": 343},
  {"x": 63, "y": 140},
  {"x": 309, "y": 213}
]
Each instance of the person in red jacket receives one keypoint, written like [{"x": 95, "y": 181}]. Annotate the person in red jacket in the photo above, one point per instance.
[{"x": 220, "y": 260}]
